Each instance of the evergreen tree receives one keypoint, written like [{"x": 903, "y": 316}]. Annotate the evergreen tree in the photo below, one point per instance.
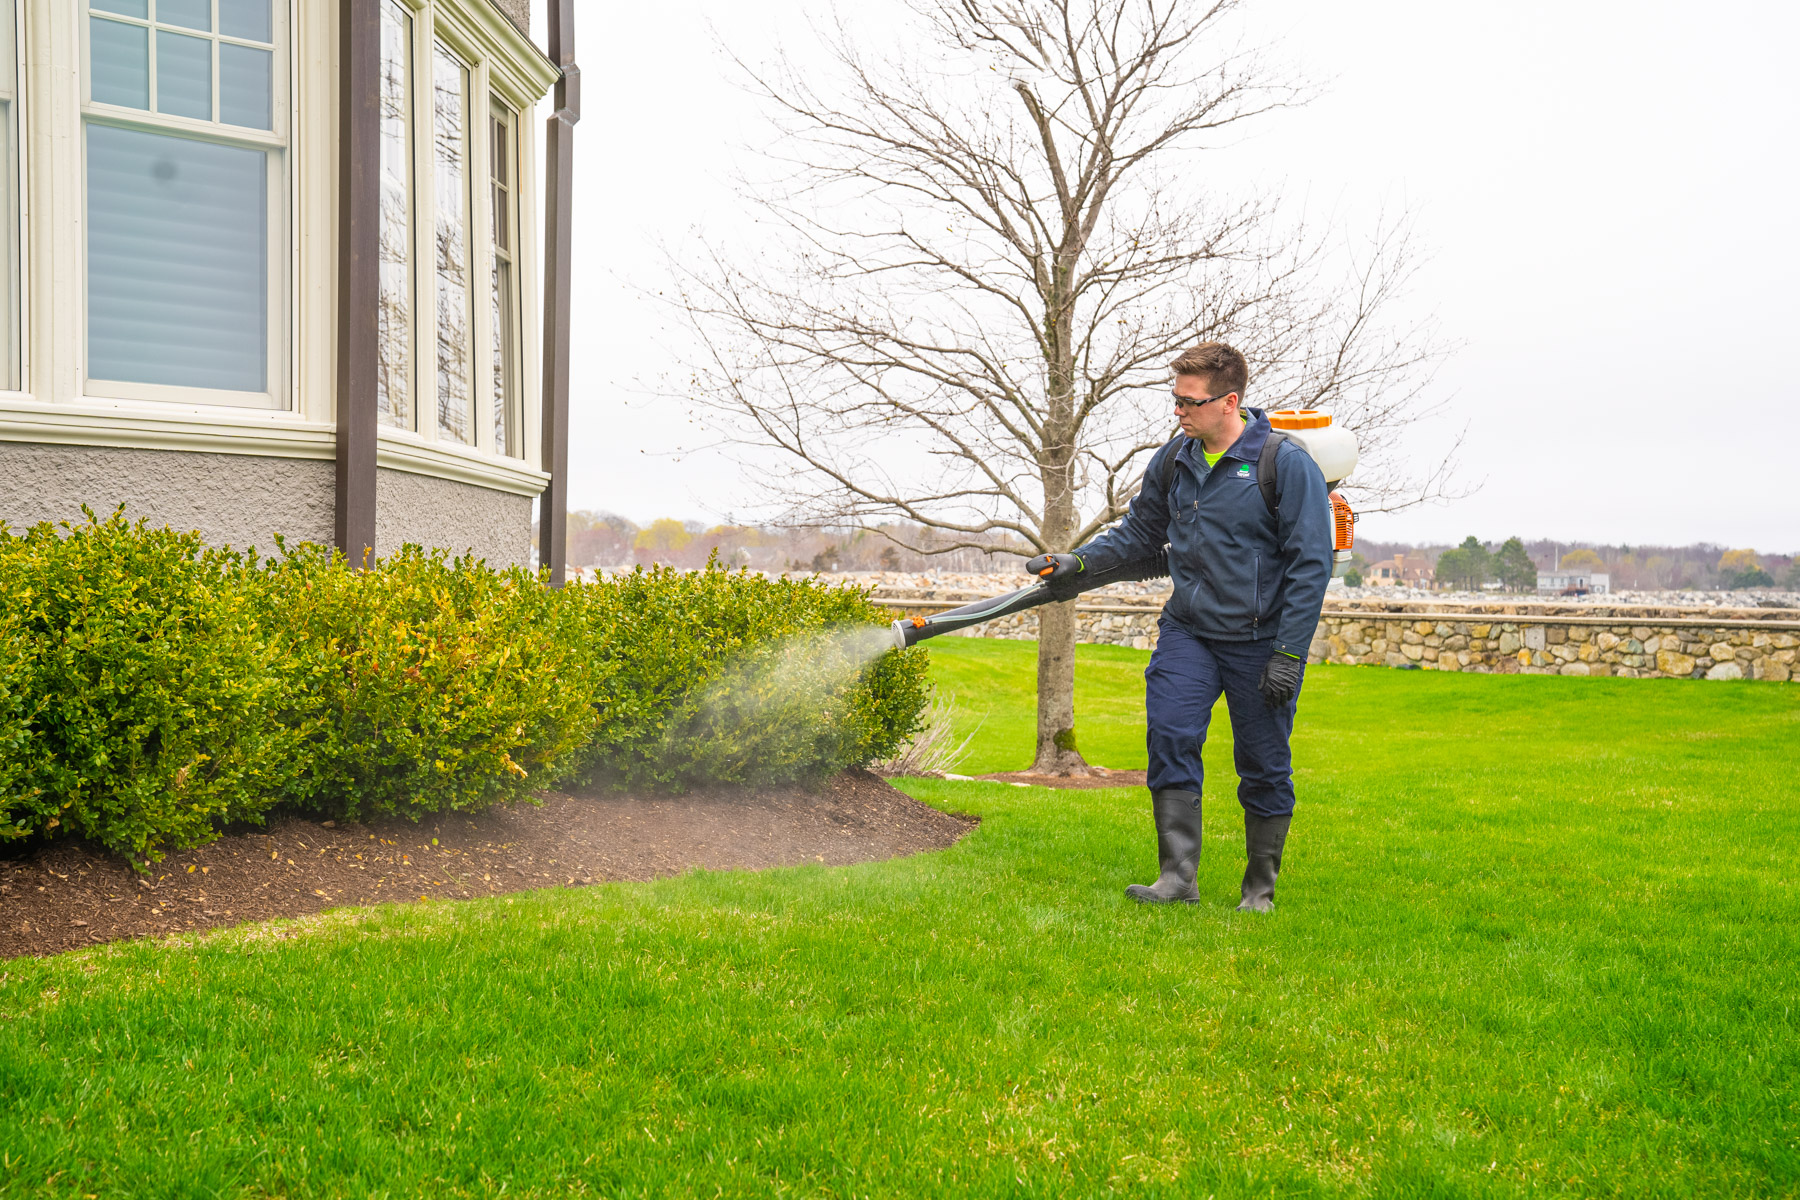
[
  {"x": 1468, "y": 566},
  {"x": 1514, "y": 567}
]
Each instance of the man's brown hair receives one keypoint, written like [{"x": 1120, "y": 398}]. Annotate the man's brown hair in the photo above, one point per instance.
[{"x": 1223, "y": 368}]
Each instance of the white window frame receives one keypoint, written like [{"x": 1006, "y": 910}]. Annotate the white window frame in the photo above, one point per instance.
[
  {"x": 17, "y": 339},
  {"x": 275, "y": 143},
  {"x": 58, "y": 405}
]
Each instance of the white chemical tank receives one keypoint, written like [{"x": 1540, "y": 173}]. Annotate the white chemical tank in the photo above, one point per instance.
[{"x": 1332, "y": 446}]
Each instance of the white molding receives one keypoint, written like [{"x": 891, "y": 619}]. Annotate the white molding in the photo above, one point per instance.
[
  {"x": 165, "y": 427},
  {"x": 524, "y": 72},
  {"x": 400, "y": 451},
  {"x": 276, "y": 435}
]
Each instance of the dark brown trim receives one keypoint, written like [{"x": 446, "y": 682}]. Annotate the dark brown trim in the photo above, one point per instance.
[
  {"x": 559, "y": 179},
  {"x": 359, "y": 211}
]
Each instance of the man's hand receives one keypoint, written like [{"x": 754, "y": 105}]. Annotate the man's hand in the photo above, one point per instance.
[
  {"x": 1056, "y": 566},
  {"x": 1280, "y": 679}
]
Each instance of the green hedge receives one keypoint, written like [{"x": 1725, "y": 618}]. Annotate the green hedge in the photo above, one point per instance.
[
  {"x": 153, "y": 689},
  {"x": 720, "y": 677},
  {"x": 142, "y": 690}
]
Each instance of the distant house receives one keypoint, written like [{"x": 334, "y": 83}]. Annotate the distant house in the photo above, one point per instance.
[
  {"x": 1403, "y": 570},
  {"x": 278, "y": 266},
  {"x": 1555, "y": 582}
]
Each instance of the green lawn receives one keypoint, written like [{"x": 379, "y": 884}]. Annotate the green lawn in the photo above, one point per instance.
[{"x": 1536, "y": 936}]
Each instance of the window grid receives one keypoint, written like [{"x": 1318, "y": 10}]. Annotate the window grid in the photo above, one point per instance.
[{"x": 221, "y": 47}]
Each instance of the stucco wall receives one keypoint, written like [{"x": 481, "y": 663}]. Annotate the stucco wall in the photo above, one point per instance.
[
  {"x": 457, "y": 516},
  {"x": 232, "y": 499},
  {"x": 244, "y": 500}
]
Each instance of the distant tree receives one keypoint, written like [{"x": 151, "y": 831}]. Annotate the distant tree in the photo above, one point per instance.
[
  {"x": 1792, "y": 578},
  {"x": 1516, "y": 571},
  {"x": 1750, "y": 577},
  {"x": 1353, "y": 578},
  {"x": 1734, "y": 561},
  {"x": 1582, "y": 560},
  {"x": 1468, "y": 566},
  {"x": 661, "y": 540},
  {"x": 599, "y": 539}
]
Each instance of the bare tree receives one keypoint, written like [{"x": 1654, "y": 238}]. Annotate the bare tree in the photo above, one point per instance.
[{"x": 993, "y": 242}]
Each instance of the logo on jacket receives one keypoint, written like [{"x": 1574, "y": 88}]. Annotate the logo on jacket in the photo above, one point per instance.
[{"x": 1244, "y": 471}]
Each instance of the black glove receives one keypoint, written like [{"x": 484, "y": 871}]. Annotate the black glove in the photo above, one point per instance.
[
  {"x": 1280, "y": 681},
  {"x": 1056, "y": 566}
]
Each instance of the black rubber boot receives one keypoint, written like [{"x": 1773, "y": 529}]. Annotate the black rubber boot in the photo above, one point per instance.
[
  {"x": 1177, "y": 849},
  {"x": 1263, "y": 840}
]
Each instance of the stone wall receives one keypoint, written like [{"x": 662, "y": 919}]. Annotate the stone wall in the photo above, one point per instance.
[
  {"x": 1708, "y": 646},
  {"x": 1500, "y": 638}
]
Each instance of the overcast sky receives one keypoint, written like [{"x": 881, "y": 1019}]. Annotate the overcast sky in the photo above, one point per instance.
[{"x": 1607, "y": 191}]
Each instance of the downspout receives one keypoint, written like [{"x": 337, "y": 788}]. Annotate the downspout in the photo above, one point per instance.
[
  {"x": 559, "y": 141},
  {"x": 358, "y": 278}
]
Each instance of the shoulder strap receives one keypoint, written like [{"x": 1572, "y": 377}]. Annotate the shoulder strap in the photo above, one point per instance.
[{"x": 1265, "y": 470}]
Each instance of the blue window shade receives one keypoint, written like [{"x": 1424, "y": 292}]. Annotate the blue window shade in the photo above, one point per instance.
[
  {"x": 177, "y": 261},
  {"x": 189, "y": 14},
  {"x": 126, "y": 8},
  {"x": 183, "y": 75},
  {"x": 246, "y": 78},
  {"x": 121, "y": 63},
  {"x": 247, "y": 19}
]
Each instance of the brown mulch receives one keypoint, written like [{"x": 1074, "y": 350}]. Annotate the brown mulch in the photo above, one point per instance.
[
  {"x": 69, "y": 894},
  {"x": 1099, "y": 777}
]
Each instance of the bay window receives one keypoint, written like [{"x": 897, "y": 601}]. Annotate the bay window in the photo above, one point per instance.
[
  {"x": 449, "y": 355},
  {"x": 184, "y": 146},
  {"x": 170, "y": 205}
]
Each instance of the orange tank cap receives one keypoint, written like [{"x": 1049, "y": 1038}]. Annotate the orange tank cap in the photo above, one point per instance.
[{"x": 1299, "y": 418}]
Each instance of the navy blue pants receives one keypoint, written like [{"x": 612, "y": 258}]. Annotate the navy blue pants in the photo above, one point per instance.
[{"x": 1181, "y": 685}]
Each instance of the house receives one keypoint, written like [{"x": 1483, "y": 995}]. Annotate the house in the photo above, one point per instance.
[
  {"x": 1556, "y": 582},
  {"x": 278, "y": 266},
  {"x": 1403, "y": 570}
]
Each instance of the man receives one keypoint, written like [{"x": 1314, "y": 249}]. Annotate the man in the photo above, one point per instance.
[{"x": 1248, "y": 587}]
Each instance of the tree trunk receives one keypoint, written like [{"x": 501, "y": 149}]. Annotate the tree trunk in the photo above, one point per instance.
[{"x": 1056, "y": 752}]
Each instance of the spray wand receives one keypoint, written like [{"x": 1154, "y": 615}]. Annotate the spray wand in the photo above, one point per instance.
[{"x": 1333, "y": 447}]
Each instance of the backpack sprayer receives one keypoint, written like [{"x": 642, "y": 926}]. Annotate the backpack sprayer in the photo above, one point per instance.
[{"x": 1331, "y": 446}]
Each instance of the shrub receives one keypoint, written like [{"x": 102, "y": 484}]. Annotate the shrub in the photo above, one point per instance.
[
  {"x": 716, "y": 676},
  {"x": 427, "y": 684},
  {"x": 140, "y": 706}
]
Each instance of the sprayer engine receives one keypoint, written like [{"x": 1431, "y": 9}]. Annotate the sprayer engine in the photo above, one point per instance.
[{"x": 1334, "y": 448}]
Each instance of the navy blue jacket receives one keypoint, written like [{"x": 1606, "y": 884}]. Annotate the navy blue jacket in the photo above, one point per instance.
[{"x": 1240, "y": 573}]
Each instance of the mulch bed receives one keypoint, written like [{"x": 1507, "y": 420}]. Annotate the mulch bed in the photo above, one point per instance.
[
  {"x": 1099, "y": 777},
  {"x": 63, "y": 895}
]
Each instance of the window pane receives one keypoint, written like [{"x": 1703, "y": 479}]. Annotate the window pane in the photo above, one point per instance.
[
  {"x": 125, "y": 8},
  {"x": 503, "y": 359},
  {"x": 183, "y": 75},
  {"x": 450, "y": 141},
  {"x": 189, "y": 14},
  {"x": 247, "y": 19},
  {"x": 121, "y": 63},
  {"x": 177, "y": 261},
  {"x": 394, "y": 313},
  {"x": 246, "y": 80},
  {"x": 504, "y": 378},
  {"x": 9, "y": 201}
]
